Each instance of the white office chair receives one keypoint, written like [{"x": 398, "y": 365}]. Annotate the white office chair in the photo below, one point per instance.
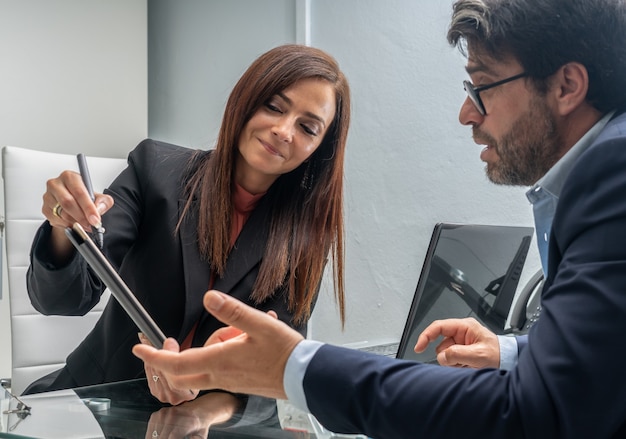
[{"x": 40, "y": 344}]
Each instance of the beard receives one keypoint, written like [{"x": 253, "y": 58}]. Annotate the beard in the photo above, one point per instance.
[{"x": 527, "y": 151}]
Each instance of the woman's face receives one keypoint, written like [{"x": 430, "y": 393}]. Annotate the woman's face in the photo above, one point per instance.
[{"x": 283, "y": 133}]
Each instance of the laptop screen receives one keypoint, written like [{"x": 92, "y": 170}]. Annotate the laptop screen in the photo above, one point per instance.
[{"x": 469, "y": 270}]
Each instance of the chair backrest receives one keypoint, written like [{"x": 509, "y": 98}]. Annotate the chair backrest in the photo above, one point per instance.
[{"x": 40, "y": 344}]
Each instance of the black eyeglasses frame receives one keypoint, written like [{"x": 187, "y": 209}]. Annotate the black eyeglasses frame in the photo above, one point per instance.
[{"x": 474, "y": 92}]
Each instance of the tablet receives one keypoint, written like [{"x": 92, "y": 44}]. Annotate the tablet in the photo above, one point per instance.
[{"x": 103, "y": 268}]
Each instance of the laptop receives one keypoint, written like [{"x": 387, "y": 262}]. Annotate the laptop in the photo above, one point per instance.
[{"x": 470, "y": 270}]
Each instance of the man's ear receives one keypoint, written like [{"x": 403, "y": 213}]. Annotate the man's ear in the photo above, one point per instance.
[{"x": 570, "y": 86}]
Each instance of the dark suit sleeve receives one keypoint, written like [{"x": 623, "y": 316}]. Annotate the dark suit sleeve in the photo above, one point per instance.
[
  {"x": 59, "y": 290},
  {"x": 569, "y": 381},
  {"x": 74, "y": 289}
]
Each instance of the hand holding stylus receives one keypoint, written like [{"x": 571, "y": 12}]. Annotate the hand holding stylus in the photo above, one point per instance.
[
  {"x": 67, "y": 201},
  {"x": 84, "y": 173}
]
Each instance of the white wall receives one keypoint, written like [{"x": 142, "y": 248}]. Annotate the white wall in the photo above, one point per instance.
[
  {"x": 409, "y": 163},
  {"x": 74, "y": 79},
  {"x": 198, "y": 49}
]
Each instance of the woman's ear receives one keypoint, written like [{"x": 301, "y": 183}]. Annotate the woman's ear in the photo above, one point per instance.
[{"x": 570, "y": 86}]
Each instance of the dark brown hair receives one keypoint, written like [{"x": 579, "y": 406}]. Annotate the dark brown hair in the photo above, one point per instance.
[
  {"x": 307, "y": 203},
  {"x": 543, "y": 35}
]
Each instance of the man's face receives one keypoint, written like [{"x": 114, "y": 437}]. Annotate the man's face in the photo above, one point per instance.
[{"x": 519, "y": 129}]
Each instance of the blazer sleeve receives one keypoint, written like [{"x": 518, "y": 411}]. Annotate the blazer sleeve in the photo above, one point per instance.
[
  {"x": 74, "y": 289},
  {"x": 569, "y": 381}
]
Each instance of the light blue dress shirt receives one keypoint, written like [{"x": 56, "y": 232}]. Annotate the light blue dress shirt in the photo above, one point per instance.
[
  {"x": 544, "y": 196},
  {"x": 294, "y": 372}
]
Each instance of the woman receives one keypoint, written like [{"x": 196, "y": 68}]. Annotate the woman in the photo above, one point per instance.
[{"x": 256, "y": 217}]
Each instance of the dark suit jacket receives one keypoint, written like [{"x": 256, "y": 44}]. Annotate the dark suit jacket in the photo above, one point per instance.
[
  {"x": 162, "y": 268},
  {"x": 570, "y": 381}
]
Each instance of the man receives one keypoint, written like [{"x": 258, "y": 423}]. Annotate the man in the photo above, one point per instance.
[{"x": 547, "y": 92}]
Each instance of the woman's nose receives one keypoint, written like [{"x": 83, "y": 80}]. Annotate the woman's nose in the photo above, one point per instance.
[{"x": 283, "y": 130}]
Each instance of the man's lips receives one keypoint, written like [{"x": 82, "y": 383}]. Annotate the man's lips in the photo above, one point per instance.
[{"x": 488, "y": 153}]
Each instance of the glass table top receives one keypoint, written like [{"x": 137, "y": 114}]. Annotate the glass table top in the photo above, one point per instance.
[{"x": 128, "y": 410}]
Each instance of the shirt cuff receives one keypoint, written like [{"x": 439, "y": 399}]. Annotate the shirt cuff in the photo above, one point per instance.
[
  {"x": 508, "y": 352},
  {"x": 295, "y": 369}
]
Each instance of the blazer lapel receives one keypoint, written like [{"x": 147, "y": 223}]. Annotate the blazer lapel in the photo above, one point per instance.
[
  {"x": 248, "y": 249},
  {"x": 244, "y": 256},
  {"x": 197, "y": 273}
]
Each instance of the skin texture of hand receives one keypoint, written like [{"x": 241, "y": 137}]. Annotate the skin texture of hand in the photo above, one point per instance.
[
  {"x": 249, "y": 358},
  {"x": 76, "y": 206},
  {"x": 192, "y": 419},
  {"x": 466, "y": 343},
  {"x": 161, "y": 388}
]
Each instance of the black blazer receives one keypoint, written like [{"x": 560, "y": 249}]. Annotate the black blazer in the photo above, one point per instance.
[
  {"x": 569, "y": 381},
  {"x": 161, "y": 267}
]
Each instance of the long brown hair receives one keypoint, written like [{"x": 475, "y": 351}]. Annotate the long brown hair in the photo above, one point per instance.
[{"x": 306, "y": 203}]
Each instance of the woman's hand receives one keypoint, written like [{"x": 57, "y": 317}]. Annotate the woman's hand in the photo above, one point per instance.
[
  {"x": 192, "y": 419},
  {"x": 158, "y": 382},
  {"x": 67, "y": 201}
]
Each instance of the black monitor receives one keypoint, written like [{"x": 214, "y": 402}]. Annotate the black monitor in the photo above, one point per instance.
[{"x": 470, "y": 270}]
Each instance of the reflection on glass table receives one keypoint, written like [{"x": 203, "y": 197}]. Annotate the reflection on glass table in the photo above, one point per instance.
[
  {"x": 16, "y": 412},
  {"x": 127, "y": 410}
]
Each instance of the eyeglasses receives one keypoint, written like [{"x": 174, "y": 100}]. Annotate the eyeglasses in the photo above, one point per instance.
[{"x": 474, "y": 92}]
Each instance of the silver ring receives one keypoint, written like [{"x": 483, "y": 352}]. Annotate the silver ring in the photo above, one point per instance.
[
  {"x": 155, "y": 378},
  {"x": 154, "y": 433},
  {"x": 56, "y": 210}
]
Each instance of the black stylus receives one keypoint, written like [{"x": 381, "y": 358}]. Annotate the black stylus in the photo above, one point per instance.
[{"x": 84, "y": 173}]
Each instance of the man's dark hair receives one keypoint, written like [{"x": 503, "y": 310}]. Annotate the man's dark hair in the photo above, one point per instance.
[{"x": 543, "y": 35}]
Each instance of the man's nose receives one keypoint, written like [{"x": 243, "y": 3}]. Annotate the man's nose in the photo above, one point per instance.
[{"x": 469, "y": 114}]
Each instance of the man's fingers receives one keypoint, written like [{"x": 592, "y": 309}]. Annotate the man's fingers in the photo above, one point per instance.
[
  {"x": 232, "y": 312},
  {"x": 430, "y": 334},
  {"x": 456, "y": 329},
  {"x": 422, "y": 343},
  {"x": 449, "y": 357},
  {"x": 445, "y": 344},
  {"x": 223, "y": 334},
  {"x": 460, "y": 355},
  {"x": 228, "y": 332},
  {"x": 171, "y": 345}
]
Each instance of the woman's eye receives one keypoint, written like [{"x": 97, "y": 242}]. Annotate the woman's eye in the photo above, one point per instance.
[
  {"x": 273, "y": 107},
  {"x": 310, "y": 131}
]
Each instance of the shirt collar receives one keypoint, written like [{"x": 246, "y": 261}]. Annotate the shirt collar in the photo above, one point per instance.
[
  {"x": 553, "y": 180},
  {"x": 244, "y": 201}
]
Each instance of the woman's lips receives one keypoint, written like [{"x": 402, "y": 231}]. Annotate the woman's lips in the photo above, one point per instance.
[{"x": 270, "y": 148}]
